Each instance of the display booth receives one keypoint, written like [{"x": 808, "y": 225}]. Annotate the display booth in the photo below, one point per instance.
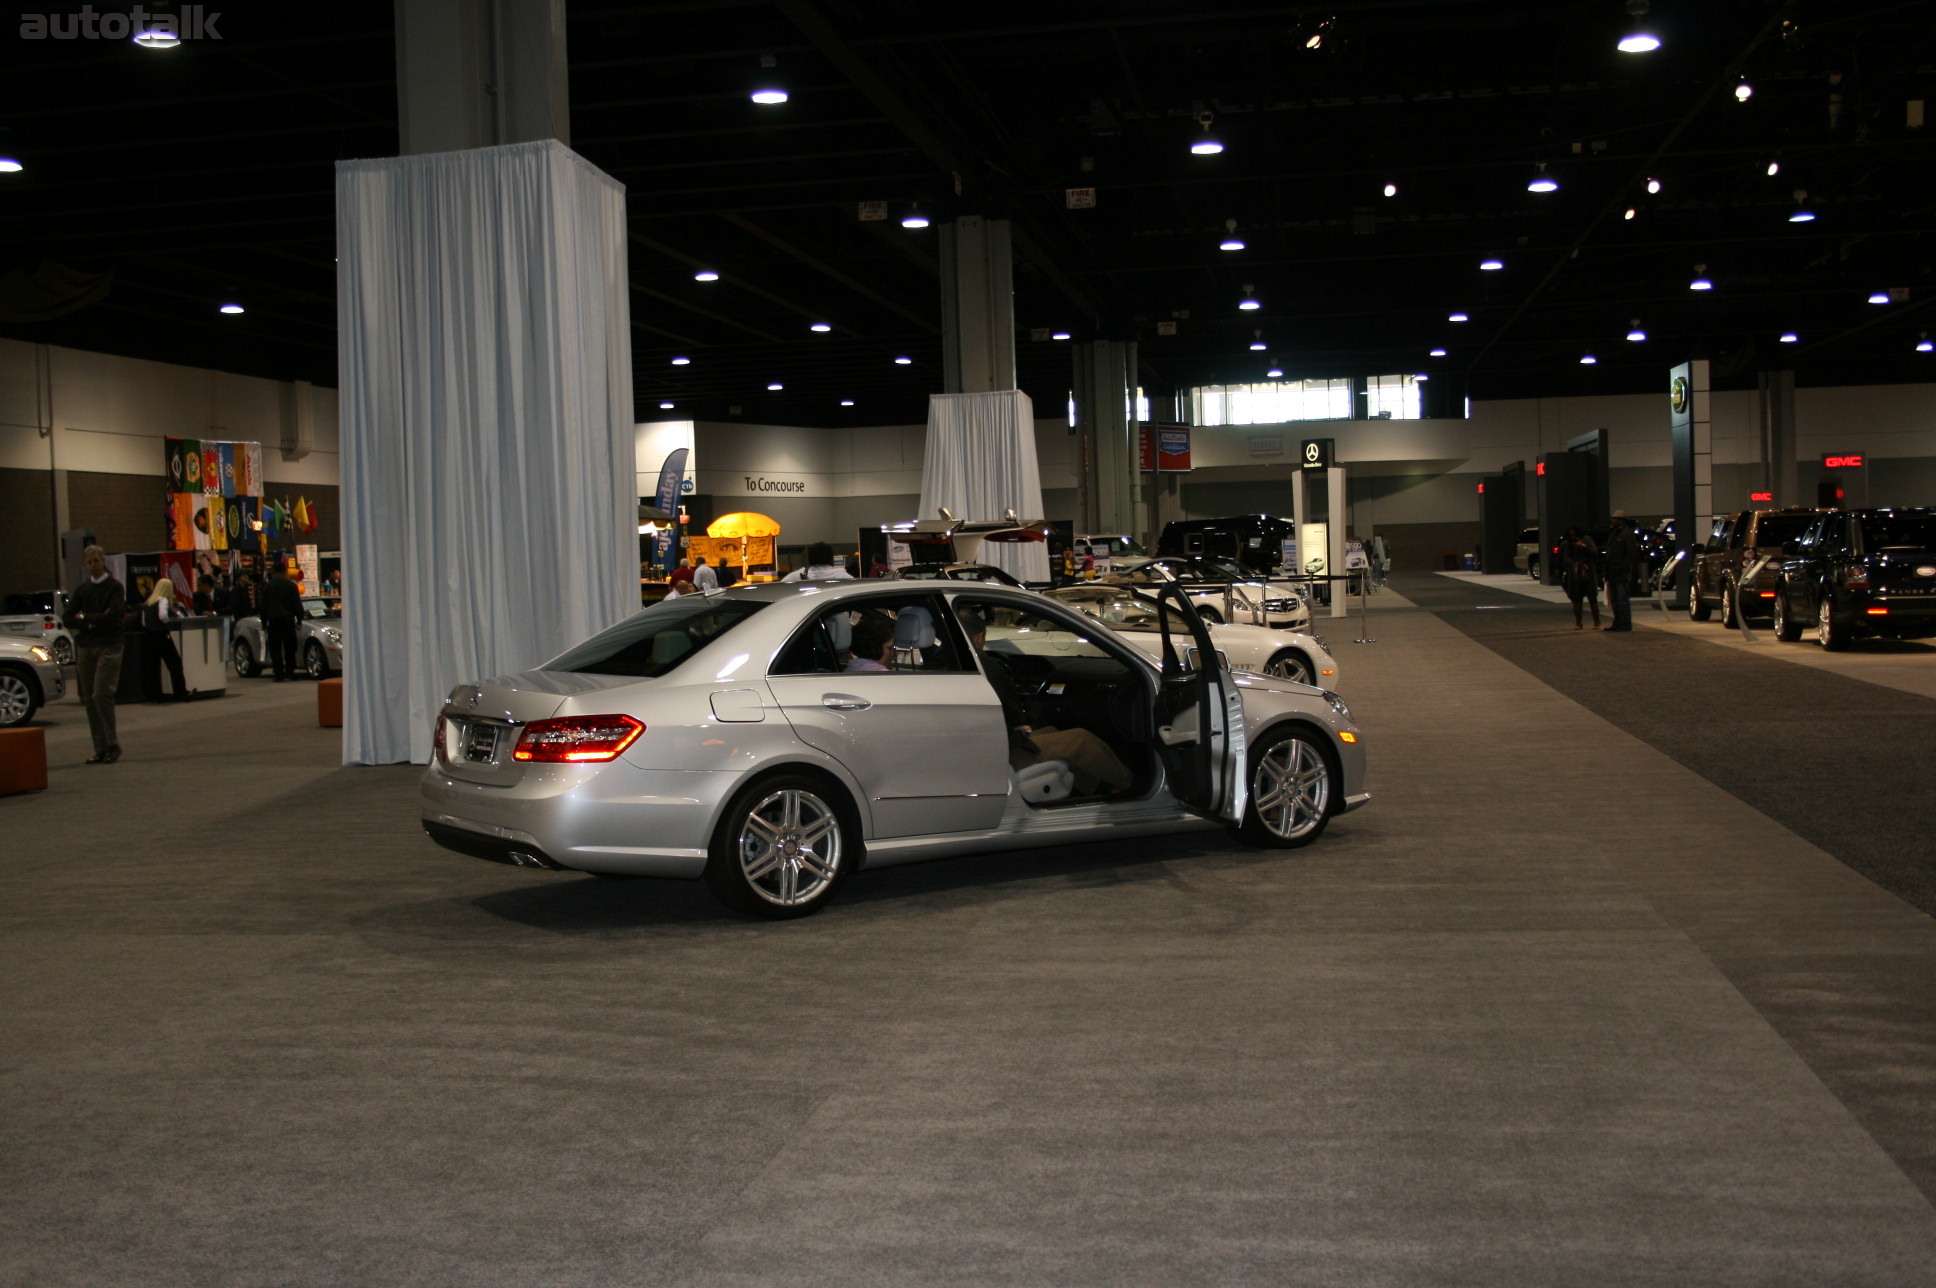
[
  {"x": 743, "y": 541},
  {"x": 202, "y": 643}
]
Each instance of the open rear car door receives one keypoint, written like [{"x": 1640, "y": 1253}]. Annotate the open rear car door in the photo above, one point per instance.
[{"x": 1200, "y": 732}]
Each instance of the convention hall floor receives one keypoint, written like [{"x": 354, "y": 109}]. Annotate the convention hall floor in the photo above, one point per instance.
[{"x": 1624, "y": 977}]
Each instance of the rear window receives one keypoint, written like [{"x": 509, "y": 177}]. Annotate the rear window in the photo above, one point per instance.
[
  {"x": 655, "y": 640},
  {"x": 1899, "y": 532},
  {"x": 1780, "y": 529}
]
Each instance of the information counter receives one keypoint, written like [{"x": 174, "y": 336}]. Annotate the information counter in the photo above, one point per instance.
[{"x": 203, "y": 645}]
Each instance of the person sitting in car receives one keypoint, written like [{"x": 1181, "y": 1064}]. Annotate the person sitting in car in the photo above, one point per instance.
[
  {"x": 873, "y": 641},
  {"x": 1095, "y": 762}
]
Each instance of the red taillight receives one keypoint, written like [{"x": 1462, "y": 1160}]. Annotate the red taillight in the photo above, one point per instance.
[
  {"x": 1767, "y": 594},
  {"x": 437, "y": 742},
  {"x": 572, "y": 739},
  {"x": 1877, "y": 612}
]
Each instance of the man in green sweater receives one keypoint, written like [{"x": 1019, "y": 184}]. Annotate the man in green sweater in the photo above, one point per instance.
[{"x": 96, "y": 612}]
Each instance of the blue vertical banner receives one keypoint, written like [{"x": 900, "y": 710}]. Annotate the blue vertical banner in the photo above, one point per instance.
[{"x": 671, "y": 475}]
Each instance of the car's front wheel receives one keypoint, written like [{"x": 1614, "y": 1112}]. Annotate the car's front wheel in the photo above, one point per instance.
[
  {"x": 1289, "y": 664},
  {"x": 1697, "y": 609},
  {"x": 243, "y": 658},
  {"x": 1831, "y": 634},
  {"x": 783, "y": 848},
  {"x": 1210, "y": 615},
  {"x": 1786, "y": 627},
  {"x": 315, "y": 661},
  {"x": 63, "y": 651},
  {"x": 1292, "y": 782},
  {"x": 18, "y": 698},
  {"x": 1730, "y": 609}
]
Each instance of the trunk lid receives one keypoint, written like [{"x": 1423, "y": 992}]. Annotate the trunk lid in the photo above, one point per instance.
[{"x": 481, "y": 722}]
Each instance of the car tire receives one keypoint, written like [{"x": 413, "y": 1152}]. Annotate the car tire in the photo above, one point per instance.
[
  {"x": 1532, "y": 567},
  {"x": 1787, "y": 629},
  {"x": 1293, "y": 790},
  {"x": 19, "y": 696},
  {"x": 63, "y": 650},
  {"x": 1290, "y": 664},
  {"x": 1829, "y": 633},
  {"x": 1210, "y": 615},
  {"x": 783, "y": 848},
  {"x": 1697, "y": 609},
  {"x": 315, "y": 661},
  {"x": 242, "y": 657},
  {"x": 1730, "y": 607}
]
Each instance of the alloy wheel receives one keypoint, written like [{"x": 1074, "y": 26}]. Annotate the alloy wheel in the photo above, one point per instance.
[
  {"x": 315, "y": 661},
  {"x": 16, "y": 700},
  {"x": 1289, "y": 666},
  {"x": 1292, "y": 789},
  {"x": 789, "y": 847},
  {"x": 64, "y": 651}
]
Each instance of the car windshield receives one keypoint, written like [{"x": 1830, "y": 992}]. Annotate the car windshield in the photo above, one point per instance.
[
  {"x": 1779, "y": 529},
  {"x": 315, "y": 609},
  {"x": 653, "y": 641},
  {"x": 1899, "y": 532},
  {"x": 1124, "y": 611}
]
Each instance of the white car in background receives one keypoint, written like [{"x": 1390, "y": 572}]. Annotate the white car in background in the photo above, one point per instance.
[
  {"x": 36, "y": 616},
  {"x": 1261, "y": 650},
  {"x": 30, "y": 678},
  {"x": 1224, "y": 591}
]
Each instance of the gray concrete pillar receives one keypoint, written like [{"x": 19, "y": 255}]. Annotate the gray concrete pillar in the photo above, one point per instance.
[
  {"x": 478, "y": 73},
  {"x": 1105, "y": 385},
  {"x": 977, "y": 306},
  {"x": 1778, "y": 436}
]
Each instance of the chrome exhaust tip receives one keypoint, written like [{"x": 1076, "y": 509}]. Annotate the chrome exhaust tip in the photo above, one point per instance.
[{"x": 526, "y": 859}]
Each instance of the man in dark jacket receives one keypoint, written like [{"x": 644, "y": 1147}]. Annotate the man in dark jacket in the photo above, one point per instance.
[
  {"x": 281, "y": 610},
  {"x": 1623, "y": 567},
  {"x": 97, "y": 612}
]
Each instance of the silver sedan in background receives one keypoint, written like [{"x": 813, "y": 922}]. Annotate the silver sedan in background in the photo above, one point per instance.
[
  {"x": 319, "y": 640},
  {"x": 30, "y": 678},
  {"x": 725, "y": 736}
]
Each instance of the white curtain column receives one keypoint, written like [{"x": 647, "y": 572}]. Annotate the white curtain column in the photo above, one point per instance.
[
  {"x": 489, "y": 520},
  {"x": 981, "y": 462}
]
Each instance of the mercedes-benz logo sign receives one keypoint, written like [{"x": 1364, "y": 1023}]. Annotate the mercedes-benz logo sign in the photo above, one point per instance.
[
  {"x": 1312, "y": 452},
  {"x": 1678, "y": 395}
]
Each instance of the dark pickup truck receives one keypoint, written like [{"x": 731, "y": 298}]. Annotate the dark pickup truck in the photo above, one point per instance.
[{"x": 1737, "y": 543}]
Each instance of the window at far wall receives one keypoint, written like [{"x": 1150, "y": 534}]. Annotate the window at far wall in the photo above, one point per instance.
[
  {"x": 1392, "y": 398},
  {"x": 1271, "y": 403}
]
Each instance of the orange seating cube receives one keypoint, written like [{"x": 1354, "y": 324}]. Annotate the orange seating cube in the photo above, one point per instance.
[
  {"x": 329, "y": 703},
  {"x": 23, "y": 760}
]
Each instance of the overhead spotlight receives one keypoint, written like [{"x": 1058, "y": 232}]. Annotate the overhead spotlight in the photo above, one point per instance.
[
  {"x": 1322, "y": 32},
  {"x": 10, "y": 166},
  {"x": 1208, "y": 145},
  {"x": 665, "y": 406},
  {"x": 914, "y": 218},
  {"x": 1491, "y": 265},
  {"x": 231, "y": 308},
  {"x": 1258, "y": 346},
  {"x": 768, "y": 90},
  {"x": 1743, "y": 91},
  {"x": 1789, "y": 337},
  {"x": 1422, "y": 376},
  {"x": 1791, "y": 35},
  {"x": 1542, "y": 181},
  {"x": 1880, "y": 297},
  {"x": 1801, "y": 214},
  {"x": 1636, "y": 335},
  {"x": 1700, "y": 283},
  {"x": 819, "y": 326},
  {"x": 1230, "y": 243},
  {"x": 1458, "y": 317},
  {"x": 1774, "y": 168},
  {"x": 1249, "y": 303},
  {"x": 1391, "y": 190},
  {"x": 682, "y": 362},
  {"x": 846, "y": 402},
  {"x": 1640, "y": 37},
  {"x": 904, "y": 362},
  {"x": 1630, "y": 213},
  {"x": 1925, "y": 345},
  {"x": 1588, "y": 360},
  {"x": 1438, "y": 353},
  {"x": 775, "y": 386},
  {"x": 1653, "y": 186},
  {"x": 156, "y": 35},
  {"x": 706, "y": 275},
  {"x": 1275, "y": 373},
  {"x": 1059, "y": 335}
]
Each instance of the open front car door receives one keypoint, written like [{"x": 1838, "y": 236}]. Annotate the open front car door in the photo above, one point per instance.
[{"x": 1199, "y": 714}]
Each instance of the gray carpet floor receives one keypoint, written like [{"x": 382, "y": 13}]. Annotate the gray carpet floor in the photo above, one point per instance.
[{"x": 258, "y": 1031}]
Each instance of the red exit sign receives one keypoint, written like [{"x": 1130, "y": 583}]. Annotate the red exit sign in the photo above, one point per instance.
[
  {"x": 1761, "y": 496},
  {"x": 1853, "y": 461}
]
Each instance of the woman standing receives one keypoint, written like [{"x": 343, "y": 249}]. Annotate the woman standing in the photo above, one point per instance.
[
  {"x": 1579, "y": 574},
  {"x": 157, "y": 612}
]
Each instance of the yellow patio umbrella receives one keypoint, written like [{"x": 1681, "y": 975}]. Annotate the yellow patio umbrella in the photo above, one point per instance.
[{"x": 754, "y": 534}]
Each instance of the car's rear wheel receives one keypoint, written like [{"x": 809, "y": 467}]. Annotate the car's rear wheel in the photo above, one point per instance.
[
  {"x": 783, "y": 848},
  {"x": 1730, "y": 608},
  {"x": 64, "y": 651},
  {"x": 1292, "y": 783},
  {"x": 1697, "y": 609},
  {"x": 315, "y": 661},
  {"x": 1210, "y": 615},
  {"x": 18, "y": 698},
  {"x": 1786, "y": 627},
  {"x": 243, "y": 658},
  {"x": 1830, "y": 633},
  {"x": 1289, "y": 664}
]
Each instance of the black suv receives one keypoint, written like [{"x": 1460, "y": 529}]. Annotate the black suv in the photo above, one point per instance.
[
  {"x": 1738, "y": 564},
  {"x": 1857, "y": 573}
]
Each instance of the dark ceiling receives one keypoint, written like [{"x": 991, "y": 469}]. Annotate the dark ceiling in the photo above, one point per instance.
[{"x": 203, "y": 174}]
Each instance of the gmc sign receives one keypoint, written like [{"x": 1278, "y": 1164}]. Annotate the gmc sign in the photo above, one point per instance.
[{"x": 1852, "y": 461}]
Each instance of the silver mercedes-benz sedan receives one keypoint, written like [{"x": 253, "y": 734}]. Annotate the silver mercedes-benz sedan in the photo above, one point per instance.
[{"x": 773, "y": 739}]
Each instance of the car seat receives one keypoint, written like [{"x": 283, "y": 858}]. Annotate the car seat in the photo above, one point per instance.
[
  {"x": 1045, "y": 781},
  {"x": 913, "y": 635}
]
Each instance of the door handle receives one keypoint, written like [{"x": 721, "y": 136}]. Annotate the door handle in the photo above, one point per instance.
[{"x": 844, "y": 702}]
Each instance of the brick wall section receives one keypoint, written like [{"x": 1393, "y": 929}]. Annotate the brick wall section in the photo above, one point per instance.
[{"x": 27, "y": 537}]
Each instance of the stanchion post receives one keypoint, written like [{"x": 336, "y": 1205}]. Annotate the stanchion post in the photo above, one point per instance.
[{"x": 1364, "y": 612}]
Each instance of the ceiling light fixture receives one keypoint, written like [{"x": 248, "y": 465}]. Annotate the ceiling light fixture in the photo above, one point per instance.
[
  {"x": 10, "y": 166},
  {"x": 1060, "y": 335},
  {"x": 768, "y": 90},
  {"x": 1630, "y": 213},
  {"x": 914, "y": 218},
  {"x": 1588, "y": 360},
  {"x": 1700, "y": 283},
  {"x": 1774, "y": 168},
  {"x": 1636, "y": 335},
  {"x": 1789, "y": 337},
  {"x": 820, "y": 326},
  {"x": 1320, "y": 34},
  {"x": 1640, "y": 37},
  {"x": 706, "y": 275},
  {"x": 1209, "y": 144},
  {"x": 1230, "y": 243},
  {"x": 682, "y": 362},
  {"x": 904, "y": 362},
  {"x": 1801, "y": 214},
  {"x": 1275, "y": 373},
  {"x": 1458, "y": 317},
  {"x": 157, "y": 35},
  {"x": 1438, "y": 353},
  {"x": 1258, "y": 345},
  {"x": 1743, "y": 91},
  {"x": 1925, "y": 345},
  {"x": 1249, "y": 303},
  {"x": 846, "y": 402},
  {"x": 665, "y": 406},
  {"x": 775, "y": 386},
  {"x": 1391, "y": 190},
  {"x": 1879, "y": 297},
  {"x": 1491, "y": 265},
  {"x": 1542, "y": 181},
  {"x": 1653, "y": 186},
  {"x": 231, "y": 308}
]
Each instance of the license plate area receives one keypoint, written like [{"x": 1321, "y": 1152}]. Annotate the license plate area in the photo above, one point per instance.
[{"x": 483, "y": 742}]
